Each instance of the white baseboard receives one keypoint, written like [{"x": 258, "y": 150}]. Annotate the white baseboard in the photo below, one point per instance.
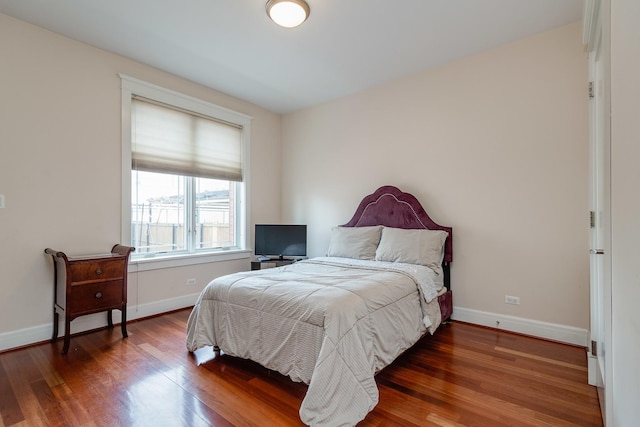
[
  {"x": 35, "y": 334},
  {"x": 536, "y": 328}
]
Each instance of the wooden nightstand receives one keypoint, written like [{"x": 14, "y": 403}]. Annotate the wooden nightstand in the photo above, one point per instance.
[{"x": 89, "y": 284}]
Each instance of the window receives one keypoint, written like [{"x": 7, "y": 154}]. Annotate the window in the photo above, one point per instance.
[{"x": 185, "y": 168}]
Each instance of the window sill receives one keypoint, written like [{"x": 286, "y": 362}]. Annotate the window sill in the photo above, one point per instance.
[{"x": 156, "y": 263}]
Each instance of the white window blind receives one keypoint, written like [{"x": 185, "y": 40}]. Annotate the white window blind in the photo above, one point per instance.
[{"x": 169, "y": 140}]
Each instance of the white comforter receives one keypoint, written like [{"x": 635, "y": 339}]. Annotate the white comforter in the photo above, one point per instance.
[{"x": 329, "y": 322}]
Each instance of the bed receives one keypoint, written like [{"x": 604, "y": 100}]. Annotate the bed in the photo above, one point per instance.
[{"x": 333, "y": 322}]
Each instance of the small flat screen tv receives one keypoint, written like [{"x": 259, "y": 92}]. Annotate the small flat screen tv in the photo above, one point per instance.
[{"x": 280, "y": 240}]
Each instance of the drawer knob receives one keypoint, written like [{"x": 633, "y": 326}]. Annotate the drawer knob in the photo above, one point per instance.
[
  {"x": 98, "y": 271},
  {"x": 98, "y": 295}
]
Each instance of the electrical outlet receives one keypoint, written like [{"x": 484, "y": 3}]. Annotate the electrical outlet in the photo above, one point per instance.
[
  {"x": 508, "y": 299},
  {"x": 191, "y": 281}
]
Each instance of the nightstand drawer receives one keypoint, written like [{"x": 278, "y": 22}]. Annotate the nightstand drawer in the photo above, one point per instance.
[
  {"x": 99, "y": 270},
  {"x": 95, "y": 296}
]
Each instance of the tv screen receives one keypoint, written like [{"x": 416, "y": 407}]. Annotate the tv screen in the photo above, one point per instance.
[{"x": 275, "y": 240}]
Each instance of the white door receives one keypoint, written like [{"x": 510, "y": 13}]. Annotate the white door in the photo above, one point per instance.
[{"x": 600, "y": 240}]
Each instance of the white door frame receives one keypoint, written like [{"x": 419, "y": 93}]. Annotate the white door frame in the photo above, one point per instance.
[{"x": 596, "y": 38}]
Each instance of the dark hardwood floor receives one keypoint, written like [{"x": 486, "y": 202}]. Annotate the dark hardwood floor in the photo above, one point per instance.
[{"x": 464, "y": 375}]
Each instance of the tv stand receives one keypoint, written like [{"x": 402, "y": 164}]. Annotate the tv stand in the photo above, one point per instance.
[{"x": 260, "y": 262}]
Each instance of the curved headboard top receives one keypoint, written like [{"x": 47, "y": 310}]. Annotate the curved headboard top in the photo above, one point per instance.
[{"x": 391, "y": 207}]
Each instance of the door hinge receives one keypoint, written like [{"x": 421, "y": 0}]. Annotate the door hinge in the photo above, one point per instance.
[
  {"x": 594, "y": 348},
  {"x": 591, "y": 95},
  {"x": 592, "y": 219}
]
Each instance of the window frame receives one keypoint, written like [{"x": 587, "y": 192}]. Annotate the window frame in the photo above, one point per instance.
[{"x": 132, "y": 86}]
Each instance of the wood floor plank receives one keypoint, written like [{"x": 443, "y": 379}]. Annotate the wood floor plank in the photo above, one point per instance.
[
  {"x": 570, "y": 365},
  {"x": 9, "y": 408},
  {"x": 72, "y": 404},
  {"x": 464, "y": 375},
  {"x": 20, "y": 372}
]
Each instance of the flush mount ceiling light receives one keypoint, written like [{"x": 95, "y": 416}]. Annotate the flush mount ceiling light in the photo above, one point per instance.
[{"x": 288, "y": 13}]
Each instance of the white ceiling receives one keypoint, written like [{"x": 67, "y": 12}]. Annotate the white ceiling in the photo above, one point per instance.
[{"x": 345, "y": 45}]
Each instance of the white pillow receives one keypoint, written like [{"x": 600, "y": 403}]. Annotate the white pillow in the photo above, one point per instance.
[
  {"x": 422, "y": 247},
  {"x": 354, "y": 242}
]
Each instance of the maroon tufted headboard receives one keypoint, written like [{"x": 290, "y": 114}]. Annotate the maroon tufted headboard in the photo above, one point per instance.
[{"x": 391, "y": 207}]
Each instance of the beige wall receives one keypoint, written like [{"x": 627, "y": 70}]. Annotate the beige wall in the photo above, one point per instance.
[
  {"x": 60, "y": 170},
  {"x": 623, "y": 376},
  {"x": 494, "y": 145}
]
